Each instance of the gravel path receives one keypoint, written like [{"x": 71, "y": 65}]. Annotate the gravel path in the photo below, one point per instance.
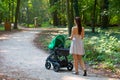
[{"x": 21, "y": 60}]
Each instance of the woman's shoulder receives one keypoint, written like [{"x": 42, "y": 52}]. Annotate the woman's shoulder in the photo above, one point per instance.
[
  {"x": 74, "y": 27},
  {"x": 83, "y": 28}
]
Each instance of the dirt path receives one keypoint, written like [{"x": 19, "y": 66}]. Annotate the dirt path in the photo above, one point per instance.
[{"x": 21, "y": 60}]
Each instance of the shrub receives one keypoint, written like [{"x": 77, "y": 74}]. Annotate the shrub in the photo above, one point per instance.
[{"x": 102, "y": 46}]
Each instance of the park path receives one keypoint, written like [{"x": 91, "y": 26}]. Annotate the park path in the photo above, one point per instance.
[{"x": 21, "y": 60}]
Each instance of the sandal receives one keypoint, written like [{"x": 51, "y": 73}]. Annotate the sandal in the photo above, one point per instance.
[{"x": 85, "y": 73}]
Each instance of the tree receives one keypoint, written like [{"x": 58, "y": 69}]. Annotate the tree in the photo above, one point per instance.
[
  {"x": 92, "y": 12},
  {"x": 1, "y": 10},
  {"x": 12, "y": 12},
  {"x": 76, "y": 8},
  {"x": 17, "y": 14},
  {"x": 93, "y": 16},
  {"x": 104, "y": 16},
  {"x": 70, "y": 17},
  {"x": 54, "y": 12}
]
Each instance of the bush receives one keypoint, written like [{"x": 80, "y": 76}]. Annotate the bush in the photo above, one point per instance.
[{"x": 102, "y": 46}]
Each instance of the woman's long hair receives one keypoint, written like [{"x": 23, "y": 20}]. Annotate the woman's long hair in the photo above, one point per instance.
[{"x": 78, "y": 23}]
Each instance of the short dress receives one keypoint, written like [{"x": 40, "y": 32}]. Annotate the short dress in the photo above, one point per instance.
[{"x": 77, "y": 46}]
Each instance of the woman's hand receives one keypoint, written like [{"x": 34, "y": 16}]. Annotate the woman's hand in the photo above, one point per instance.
[{"x": 69, "y": 38}]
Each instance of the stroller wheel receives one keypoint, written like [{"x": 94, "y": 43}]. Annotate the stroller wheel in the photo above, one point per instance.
[
  {"x": 47, "y": 65},
  {"x": 70, "y": 66},
  {"x": 56, "y": 67}
]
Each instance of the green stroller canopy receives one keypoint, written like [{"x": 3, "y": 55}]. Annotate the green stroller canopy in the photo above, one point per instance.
[{"x": 57, "y": 41}]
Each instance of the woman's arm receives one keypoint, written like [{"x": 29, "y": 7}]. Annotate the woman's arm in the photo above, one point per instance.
[{"x": 71, "y": 34}]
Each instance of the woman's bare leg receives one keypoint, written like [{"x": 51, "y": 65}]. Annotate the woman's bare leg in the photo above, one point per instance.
[
  {"x": 75, "y": 62},
  {"x": 82, "y": 64}
]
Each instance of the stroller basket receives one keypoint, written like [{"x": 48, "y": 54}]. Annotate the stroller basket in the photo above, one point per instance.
[{"x": 62, "y": 51}]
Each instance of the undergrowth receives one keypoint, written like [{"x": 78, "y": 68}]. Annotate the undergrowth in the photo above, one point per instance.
[{"x": 102, "y": 48}]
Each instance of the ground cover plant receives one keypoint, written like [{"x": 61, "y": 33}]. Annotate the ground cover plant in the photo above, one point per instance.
[{"x": 102, "y": 48}]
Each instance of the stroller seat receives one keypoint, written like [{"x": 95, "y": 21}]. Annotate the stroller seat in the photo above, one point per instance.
[{"x": 62, "y": 51}]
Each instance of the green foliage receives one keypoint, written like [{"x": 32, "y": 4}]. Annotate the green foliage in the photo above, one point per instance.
[
  {"x": 108, "y": 65},
  {"x": 43, "y": 9},
  {"x": 1, "y": 27},
  {"x": 30, "y": 9},
  {"x": 31, "y": 26},
  {"x": 114, "y": 10},
  {"x": 102, "y": 46},
  {"x": 46, "y": 24},
  {"x": 4, "y": 10},
  {"x": 70, "y": 58},
  {"x": 114, "y": 19}
]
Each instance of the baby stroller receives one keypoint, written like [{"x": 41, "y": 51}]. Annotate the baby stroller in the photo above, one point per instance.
[{"x": 58, "y": 55}]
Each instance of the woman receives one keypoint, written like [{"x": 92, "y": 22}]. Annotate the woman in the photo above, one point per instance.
[{"x": 76, "y": 48}]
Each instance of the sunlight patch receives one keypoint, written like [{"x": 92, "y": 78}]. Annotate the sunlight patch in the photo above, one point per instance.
[{"x": 3, "y": 38}]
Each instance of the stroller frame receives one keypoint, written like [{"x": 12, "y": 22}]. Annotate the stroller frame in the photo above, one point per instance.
[{"x": 58, "y": 55}]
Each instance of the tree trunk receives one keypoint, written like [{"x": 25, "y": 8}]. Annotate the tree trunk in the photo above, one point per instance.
[
  {"x": 68, "y": 14},
  {"x": 0, "y": 18},
  {"x": 12, "y": 11},
  {"x": 76, "y": 8},
  {"x": 104, "y": 16},
  {"x": 55, "y": 18},
  {"x": 93, "y": 16},
  {"x": 55, "y": 13},
  {"x": 70, "y": 17},
  {"x": 9, "y": 2},
  {"x": 17, "y": 14}
]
